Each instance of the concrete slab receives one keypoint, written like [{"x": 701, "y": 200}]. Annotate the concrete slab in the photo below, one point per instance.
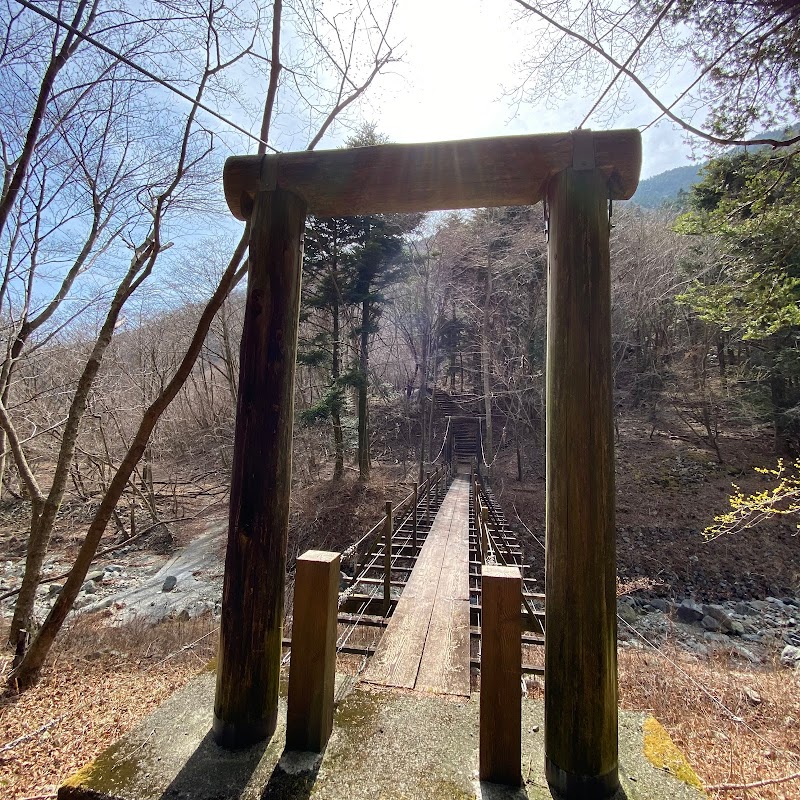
[{"x": 385, "y": 744}]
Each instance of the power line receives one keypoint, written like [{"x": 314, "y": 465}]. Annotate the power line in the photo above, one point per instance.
[
  {"x": 624, "y": 67},
  {"x": 160, "y": 81}
]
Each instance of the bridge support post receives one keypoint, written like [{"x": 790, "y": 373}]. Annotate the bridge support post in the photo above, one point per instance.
[
  {"x": 428, "y": 497},
  {"x": 248, "y": 671},
  {"x": 387, "y": 559},
  {"x": 581, "y": 750},
  {"x": 484, "y": 525},
  {"x": 312, "y": 669},
  {"x": 501, "y": 672},
  {"x": 414, "y": 517}
]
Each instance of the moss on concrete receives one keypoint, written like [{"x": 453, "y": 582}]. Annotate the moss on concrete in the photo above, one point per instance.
[
  {"x": 662, "y": 753},
  {"x": 397, "y": 746}
]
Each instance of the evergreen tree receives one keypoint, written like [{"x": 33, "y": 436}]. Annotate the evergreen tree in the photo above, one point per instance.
[
  {"x": 325, "y": 272},
  {"x": 749, "y": 204}
]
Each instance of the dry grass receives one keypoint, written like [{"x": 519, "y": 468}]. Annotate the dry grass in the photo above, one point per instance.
[
  {"x": 99, "y": 683},
  {"x": 103, "y": 680},
  {"x": 765, "y": 745}
]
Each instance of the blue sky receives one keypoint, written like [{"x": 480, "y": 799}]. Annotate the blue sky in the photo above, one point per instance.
[{"x": 460, "y": 56}]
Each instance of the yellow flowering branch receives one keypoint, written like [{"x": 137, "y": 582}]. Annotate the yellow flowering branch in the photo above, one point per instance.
[{"x": 782, "y": 499}]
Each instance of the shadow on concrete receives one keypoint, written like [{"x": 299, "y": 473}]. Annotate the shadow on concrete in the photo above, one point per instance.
[
  {"x": 212, "y": 771},
  {"x": 496, "y": 791},
  {"x": 294, "y": 776}
]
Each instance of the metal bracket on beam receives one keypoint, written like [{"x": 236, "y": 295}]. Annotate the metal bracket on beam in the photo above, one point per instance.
[
  {"x": 583, "y": 149},
  {"x": 269, "y": 173}
]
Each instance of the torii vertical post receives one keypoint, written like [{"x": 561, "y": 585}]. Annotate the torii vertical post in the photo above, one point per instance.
[
  {"x": 248, "y": 667},
  {"x": 580, "y": 647}
]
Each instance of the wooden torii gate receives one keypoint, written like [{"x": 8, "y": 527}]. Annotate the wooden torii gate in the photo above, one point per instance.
[{"x": 576, "y": 174}]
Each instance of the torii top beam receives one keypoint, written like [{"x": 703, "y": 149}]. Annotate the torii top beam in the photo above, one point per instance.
[{"x": 469, "y": 173}]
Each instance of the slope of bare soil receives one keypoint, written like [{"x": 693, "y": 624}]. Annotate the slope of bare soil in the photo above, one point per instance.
[
  {"x": 737, "y": 723},
  {"x": 668, "y": 490}
]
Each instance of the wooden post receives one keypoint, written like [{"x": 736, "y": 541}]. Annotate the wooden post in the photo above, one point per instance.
[
  {"x": 414, "y": 517},
  {"x": 484, "y": 532},
  {"x": 581, "y": 643},
  {"x": 248, "y": 668},
  {"x": 387, "y": 559},
  {"x": 312, "y": 669},
  {"x": 428, "y": 497},
  {"x": 501, "y": 674}
]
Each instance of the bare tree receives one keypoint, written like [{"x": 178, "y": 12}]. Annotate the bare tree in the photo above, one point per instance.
[
  {"x": 744, "y": 59},
  {"x": 362, "y": 24}
]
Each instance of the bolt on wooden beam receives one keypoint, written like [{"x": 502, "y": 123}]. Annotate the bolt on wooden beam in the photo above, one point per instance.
[
  {"x": 312, "y": 669},
  {"x": 501, "y": 673}
]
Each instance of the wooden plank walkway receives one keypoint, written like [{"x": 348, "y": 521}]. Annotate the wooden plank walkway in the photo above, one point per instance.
[{"x": 426, "y": 643}]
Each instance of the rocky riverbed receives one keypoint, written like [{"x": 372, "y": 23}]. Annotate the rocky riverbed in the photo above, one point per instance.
[
  {"x": 756, "y": 631},
  {"x": 138, "y": 584},
  {"x": 141, "y": 584}
]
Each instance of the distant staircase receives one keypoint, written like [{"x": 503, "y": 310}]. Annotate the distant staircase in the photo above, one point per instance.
[{"x": 464, "y": 412}]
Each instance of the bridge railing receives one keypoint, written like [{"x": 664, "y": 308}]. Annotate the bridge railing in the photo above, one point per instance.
[
  {"x": 413, "y": 509},
  {"x": 493, "y": 548}
]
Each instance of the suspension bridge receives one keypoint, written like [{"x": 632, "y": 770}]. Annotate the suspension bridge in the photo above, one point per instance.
[
  {"x": 440, "y": 577},
  {"x": 416, "y": 577}
]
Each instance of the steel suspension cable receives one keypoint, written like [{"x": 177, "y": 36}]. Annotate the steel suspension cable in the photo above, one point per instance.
[{"x": 142, "y": 70}]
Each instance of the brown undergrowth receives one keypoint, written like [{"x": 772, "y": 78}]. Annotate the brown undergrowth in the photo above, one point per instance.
[
  {"x": 758, "y": 740},
  {"x": 98, "y": 684},
  {"x": 102, "y": 681}
]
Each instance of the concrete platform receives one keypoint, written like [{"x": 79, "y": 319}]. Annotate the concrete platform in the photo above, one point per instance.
[{"x": 385, "y": 744}]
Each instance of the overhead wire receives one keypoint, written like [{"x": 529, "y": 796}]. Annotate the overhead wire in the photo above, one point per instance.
[{"x": 142, "y": 70}]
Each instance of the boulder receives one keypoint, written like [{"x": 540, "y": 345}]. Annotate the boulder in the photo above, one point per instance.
[
  {"x": 737, "y": 629},
  {"x": 710, "y": 624},
  {"x": 790, "y": 656},
  {"x": 169, "y": 583},
  {"x": 689, "y": 611},
  {"x": 720, "y": 615},
  {"x": 664, "y": 606}
]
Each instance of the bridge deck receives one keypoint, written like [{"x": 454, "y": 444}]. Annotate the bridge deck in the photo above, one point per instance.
[{"x": 426, "y": 643}]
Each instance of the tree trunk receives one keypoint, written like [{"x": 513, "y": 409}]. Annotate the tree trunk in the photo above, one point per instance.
[
  {"x": 777, "y": 390},
  {"x": 42, "y": 522},
  {"x": 423, "y": 395},
  {"x": 487, "y": 381},
  {"x": 336, "y": 371},
  {"x": 433, "y": 402},
  {"x": 723, "y": 367},
  {"x": 452, "y": 354},
  {"x": 28, "y": 671},
  {"x": 363, "y": 411}
]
